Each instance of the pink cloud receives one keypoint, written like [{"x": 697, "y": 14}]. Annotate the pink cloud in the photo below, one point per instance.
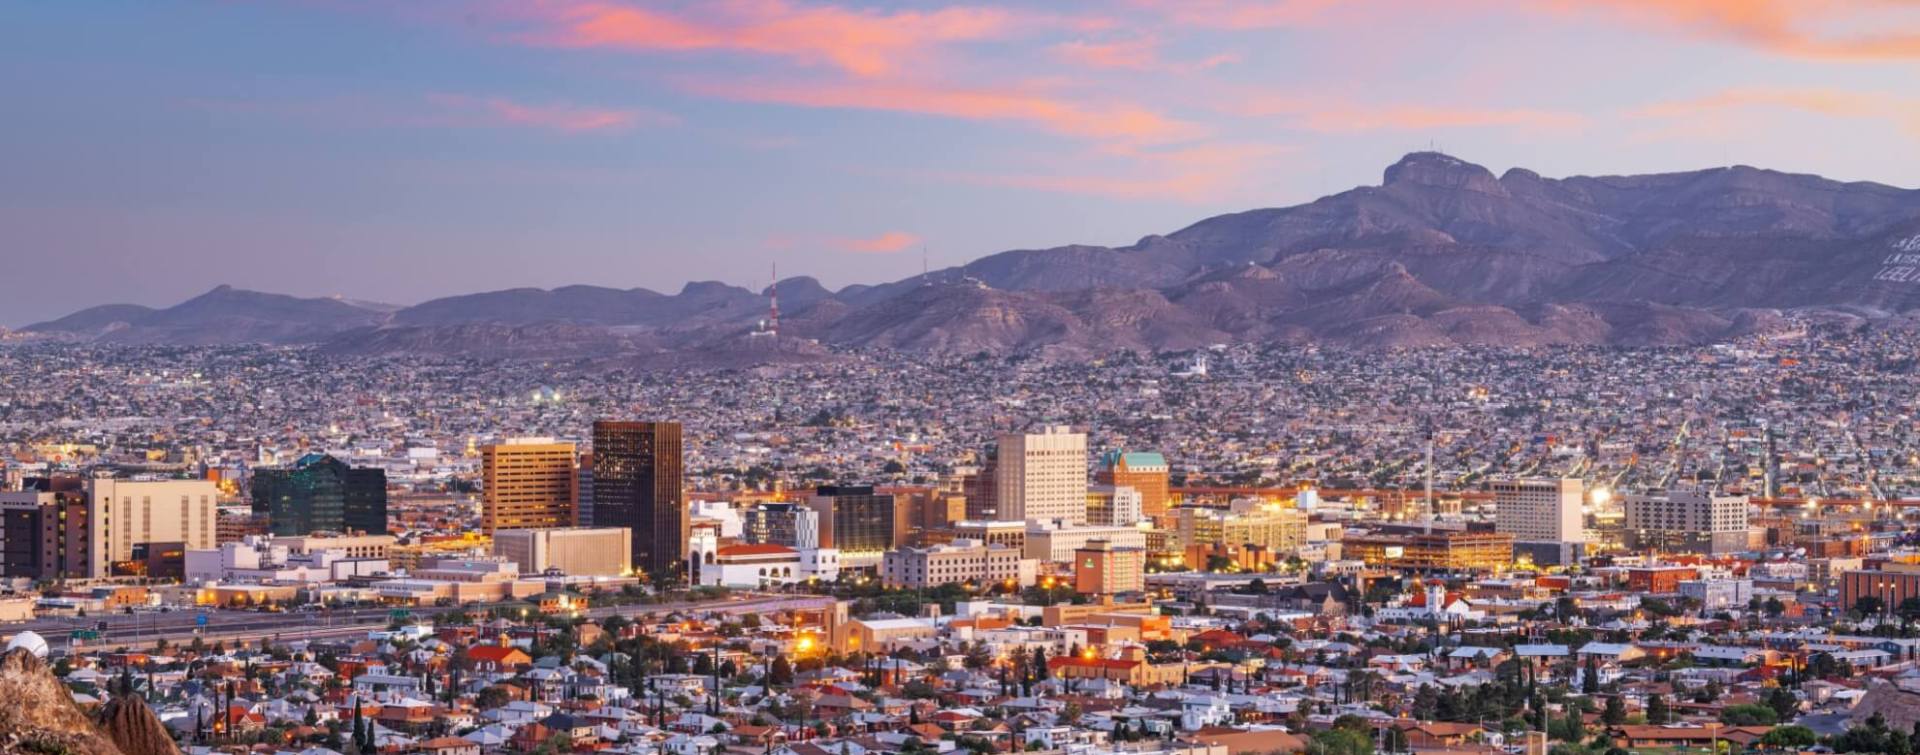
[
  {"x": 1120, "y": 121},
  {"x": 565, "y": 118},
  {"x": 1316, "y": 114},
  {"x": 1238, "y": 14},
  {"x": 1200, "y": 173},
  {"x": 1834, "y": 103},
  {"x": 885, "y": 243},
  {"x": 1139, "y": 53},
  {"x": 861, "y": 42},
  {"x": 1829, "y": 29}
]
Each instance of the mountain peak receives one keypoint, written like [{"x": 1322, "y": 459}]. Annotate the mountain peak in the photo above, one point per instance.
[{"x": 1442, "y": 171}]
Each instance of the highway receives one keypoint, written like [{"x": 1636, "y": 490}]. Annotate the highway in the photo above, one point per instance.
[{"x": 143, "y": 629}]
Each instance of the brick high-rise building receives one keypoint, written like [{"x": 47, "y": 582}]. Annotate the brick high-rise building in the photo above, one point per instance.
[
  {"x": 637, "y": 473},
  {"x": 528, "y": 483},
  {"x": 1147, "y": 473}
]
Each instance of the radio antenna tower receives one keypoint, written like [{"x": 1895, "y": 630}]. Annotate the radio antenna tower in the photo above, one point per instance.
[
  {"x": 1427, "y": 518},
  {"x": 773, "y": 302}
]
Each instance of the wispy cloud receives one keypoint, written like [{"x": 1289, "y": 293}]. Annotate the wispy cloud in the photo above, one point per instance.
[
  {"x": 1197, "y": 173},
  {"x": 1115, "y": 121},
  {"x": 861, "y": 42},
  {"x": 1902, "y": 110},
  {"x": 1238, "y": 14},
  {"x": 565, "y": 118},
  {"x": 1330, "y": 115},
  {"x": 1825, "y": 29},
  {"x": 885, "y": 243}
]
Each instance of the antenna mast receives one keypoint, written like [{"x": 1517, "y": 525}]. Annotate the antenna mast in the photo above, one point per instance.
[{"x": 773, "y": 302}]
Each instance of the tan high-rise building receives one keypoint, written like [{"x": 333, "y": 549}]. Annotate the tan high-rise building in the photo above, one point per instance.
[
  {"x": 575, "y": 551},
  {"x": 528, "y": 483},
  {"x": 1145, "y": 472},
  {"x": 1042, "y": 475},
  {"x": 123, "y": 514}
]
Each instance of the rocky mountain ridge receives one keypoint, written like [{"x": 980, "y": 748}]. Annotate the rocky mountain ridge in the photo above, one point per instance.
[{"x": 1441, "y": 253}]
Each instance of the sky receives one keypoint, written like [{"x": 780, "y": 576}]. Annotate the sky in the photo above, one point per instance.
[{"x": 402, "y": 150}]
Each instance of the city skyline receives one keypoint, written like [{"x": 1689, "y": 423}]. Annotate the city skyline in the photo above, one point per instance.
[{"x": 165, "y": 148}]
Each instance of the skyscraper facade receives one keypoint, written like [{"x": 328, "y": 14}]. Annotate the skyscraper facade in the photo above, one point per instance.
[
  {"x": 44, "y": 530},
  {"x": 637, "y": 468},
  {"x": 1042, "y": 475},
  {"x": 855, "y": 519},
  {"x": 320, "y": 493},
  {"x": 124, "y": 516},
  {"x": 528, "y": 483}
]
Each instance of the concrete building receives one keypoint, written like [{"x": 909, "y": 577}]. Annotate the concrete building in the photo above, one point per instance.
[
  {"x": 957, "y": 562},
  {"x": 574, "y": 551},
  {"x": 264, "y": 561},
  {"x": 1102, "y": 568},
  {"x": 1146, "y": 473},
  {"x": 1718, "y": 594},
  {"x": 1116, "y": 505},
  {"x": 528, "y": 483},
  {"x": 1042, "y": 475},
  {"x": 124, "y": 515},
  {"x": 1056, "y": 543},
  {"x": 1269, "y": 527},
  {"x": 44, "y": 529},
  {"x": 355, "y": 546},
  {"x": 1010, "y": 534},
  {"x": 1545, "y": 517},
  {"x": 1687, "y": 521}
]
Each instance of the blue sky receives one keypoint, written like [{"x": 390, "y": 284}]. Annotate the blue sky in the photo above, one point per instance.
[{"x": 399, "y": 151}]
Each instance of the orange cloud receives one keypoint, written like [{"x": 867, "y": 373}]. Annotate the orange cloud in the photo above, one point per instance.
[
  {"x": 567, "y": 118},
  {"x": 862, "y": 42},
  {"x": 885, "y": 243},
  {"x": 1803, "y": 28},
  {"x": 1111, "y": 122}
]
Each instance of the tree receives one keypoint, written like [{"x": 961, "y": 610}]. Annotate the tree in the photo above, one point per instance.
[
  {"x": 1748, "y": 714},
  {"x": 1869, "y": 605},
  {"x": 490, "y": 698},
  {"x": 1615, "y": 713},
  {"x": 1785, "y": 706},
  {"x": 1339, "y": 742},
  {"x": 1657, "y": 713},
  {"x": 1790, "y": 736},
  {"x": 1590, "y": 681},
  {"x": 1576, "y": 726},
  {"x": 781, "y": 673}
]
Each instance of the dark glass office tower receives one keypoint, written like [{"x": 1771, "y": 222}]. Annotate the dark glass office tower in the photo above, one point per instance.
[
  {"x": 854, "y": 519},
  {"x": 321, "y": 494},
  {"x": 636, "y": 484}
]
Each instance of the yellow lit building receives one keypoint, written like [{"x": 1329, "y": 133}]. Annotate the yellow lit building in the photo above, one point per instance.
[
  {"x": 529, "y": 483},
  {"x": 1438, "y": 551}
]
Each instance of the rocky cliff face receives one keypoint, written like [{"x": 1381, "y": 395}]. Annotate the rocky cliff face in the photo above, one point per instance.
[{"x": 38, "y": 715}]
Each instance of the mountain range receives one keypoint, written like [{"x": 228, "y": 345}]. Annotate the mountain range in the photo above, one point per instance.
[{"x": 1441, "y": 253}]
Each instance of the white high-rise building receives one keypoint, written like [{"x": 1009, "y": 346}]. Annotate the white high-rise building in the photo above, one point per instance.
[
  {"x": 1042, "y": 475},
  {"x": 126, "y": 513},
  {"x": 1540, "y": 510}
]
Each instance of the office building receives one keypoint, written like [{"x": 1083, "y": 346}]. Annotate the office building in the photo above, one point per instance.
[
  {"x": 528, "y": 483},
  {"x": 43, "y": 529},
  {"x": 778, "y": 523},
  {"x": 574, "y": 551},
  {"x": 1448, "y": 551},
  {"x": 1113, "y": 505},
  {"x": 637, "y": 469},
  {"x": 855, "y": 520},
  {"x": 321, "y": 494},
  {"x": 1146, "y": 473},
  {"x": 958, "y": 562},
  {"x": 1687, "y": 521},
  {"x": 977, "y": 485},
  {"x": 1102, "y": 568},
  {"x": 1545, "y": 517},
  {"x": 1275, "y": 530},
  {"x": 1055, "y": 543},
  {"x": 126, "y": 516},
  {"x": 583, "y": 490},
  {"x": 1041, "y": 475},
  {"x": 1891, "y": 584}
]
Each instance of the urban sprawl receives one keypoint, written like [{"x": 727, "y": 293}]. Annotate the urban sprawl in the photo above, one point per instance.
[{"x": 1242, "y": 550}]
